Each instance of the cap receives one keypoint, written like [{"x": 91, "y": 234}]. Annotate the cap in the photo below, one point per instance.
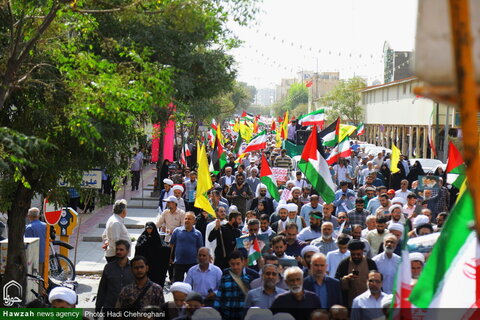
[
  {"x": 391, "y": 191},
  {"x": 62, "y": 293},
  {"x": 168, "y": 181},
  {"x": 171, "y": 199}
]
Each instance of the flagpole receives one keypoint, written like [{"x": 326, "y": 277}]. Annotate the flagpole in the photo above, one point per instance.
[{"x": 462, "y": 42}]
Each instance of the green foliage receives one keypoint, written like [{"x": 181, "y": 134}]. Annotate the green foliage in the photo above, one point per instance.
[
  {"x": 297, "y": 94},
  {"x": 344, "y": 101}
]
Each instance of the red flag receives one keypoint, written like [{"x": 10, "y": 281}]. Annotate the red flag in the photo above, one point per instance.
[
  {"x": 273, "y": 127},
  {"x": 308, "y": 84}
]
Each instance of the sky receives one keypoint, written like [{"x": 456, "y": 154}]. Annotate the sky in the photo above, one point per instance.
[{"x": 336, "y": 35}]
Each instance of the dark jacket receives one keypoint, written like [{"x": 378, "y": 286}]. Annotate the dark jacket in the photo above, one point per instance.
[
  {"x": 228, "y": 237},
  {"x": 334, "y": 290},
  {"x": 268, "y": 207}
]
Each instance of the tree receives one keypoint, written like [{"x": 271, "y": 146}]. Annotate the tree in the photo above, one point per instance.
[
  {"x": 344, "y": 101},
  {"x": 80, "y": 80},
  {"x": 297, "y": 94}
]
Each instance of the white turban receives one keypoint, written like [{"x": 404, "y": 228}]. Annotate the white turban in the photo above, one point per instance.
[
  {"x": 417, "y": 256},
  {"x": 181, "y": 287},
  {"x": 292, "y": 207},
  {"x": 177, "y": 187},
  {"x": 395, "y": 206},
  {"x": 398, "y": 200},
  {"x": 309, "y": 248},
  {"x": 419, "y": 220},
  {"x": 168, "y": 181},
  {"x": 282, "y": 206},
  {"x": 62, "y": 293},
  {"x": 296, "y": 188},
  {"x": 396, "y": 226}
]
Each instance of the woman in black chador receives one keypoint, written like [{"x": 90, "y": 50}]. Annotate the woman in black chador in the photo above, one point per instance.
[{"x": 156, "y": 251}]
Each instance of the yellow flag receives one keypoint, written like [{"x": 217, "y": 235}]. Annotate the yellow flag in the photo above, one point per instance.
[
  {"x": 204, "y": 183},
  {"x": 394, "y": 159},
  {"x": 345, "y": 131},
  {"x": 246, "y": 131},
  {"x": 284, "y": 128},
  {"x": 219, "y": 134}
]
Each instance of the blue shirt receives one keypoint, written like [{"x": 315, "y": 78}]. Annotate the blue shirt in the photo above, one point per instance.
[
  {"x": 306, "y": 209},
  {"x": 186, "y": 244},
  {"x": 321, "y": 291},
  {"x": 202, "y": 281},
  {"x": 37, "y": 229},
  {"x": 259, "y": 298}
]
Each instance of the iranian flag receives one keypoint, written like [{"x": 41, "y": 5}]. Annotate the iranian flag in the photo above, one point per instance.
[
  {"x": 449, "y": 278},
  {"x": 342, "y": 150},
  {"x": 257, "y": 143},
  {"x": 360, "y": 129},
  {"x": 314, "y": 118},
  {"x": 330, "y": 134},
  {"x": 455, "y": 166},
  {"x": 254, "y": 253},
  {"x": 315, "y": 168},
  {"x": 268, "y": 179},
  {"x": 403, "y": 284}
]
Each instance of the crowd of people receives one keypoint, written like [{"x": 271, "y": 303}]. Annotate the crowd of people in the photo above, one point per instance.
[{"x": 322, "y": 260}]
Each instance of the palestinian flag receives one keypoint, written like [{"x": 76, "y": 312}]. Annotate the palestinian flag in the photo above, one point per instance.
[
  {"x": 238, "y": 144},
  {"x": 257, "y": 143},
  {"x": 342, "y": 150},
  {"x": 315, "y": 168},
  {"x": 218, "y": 156},
  {"x": 449, "y": 278},
  {"x": 247, "y": 116},
  {"x": 268, "y": 179},
  {"x": 360, "y": 129},
  {"x": 331, "y": 134},
  {"x": 314, "y": 118},
  {"x": 455, "y": 166},
  {"x": 254, "y": 253}
]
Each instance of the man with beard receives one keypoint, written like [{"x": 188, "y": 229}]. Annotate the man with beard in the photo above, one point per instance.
[
  {"x": 294, "y": 246},
  {"x": 327, "y": 215},
  {"x": 221, "y": 214},
  {"x": 327, "y": 288},
  {"x": 265, "y": 227},
  {"x": 314, "y": 230},
  {"x": 336, "y": 256},
  {"x": 353, "y": 272},
  {"x": 385, "y": 204},
  {"x": 143, "y": 292},
  {"x": 368, "y": 305},
  {"x": 281, "y": 224},
  {"x": 325, "y": 243},
  {"x": 387, "y": 262},
  {"x": 296, "y": 192},
  {"x": 375, "y": 237},
  {"x": 263, "y": 296},
  {"x": 357, "y": 235},
  {"x": 359, "y": 214},
  {"x": 261, "y": 194},
  {"x": 226, "y": 236},
  {"x": 297, "y": 302},
  {"x": 239, "y": 193},
  {"x": 314, "y": 205}
]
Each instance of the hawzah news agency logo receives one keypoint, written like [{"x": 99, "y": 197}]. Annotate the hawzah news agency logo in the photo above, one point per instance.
[{"x": 12, "y": 293}]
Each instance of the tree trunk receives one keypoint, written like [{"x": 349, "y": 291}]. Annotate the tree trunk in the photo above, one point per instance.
[{"x": 17, "y": 262}]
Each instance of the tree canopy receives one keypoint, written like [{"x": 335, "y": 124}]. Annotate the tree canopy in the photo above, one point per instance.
[
  {"x": 297, "y": 95},
  {"x": 344, "y": 101}
]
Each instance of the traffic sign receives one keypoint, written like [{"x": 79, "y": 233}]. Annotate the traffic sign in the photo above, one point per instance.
[
  {"x": 68, "y": 222},
  {"x": 52, "y": 212}
]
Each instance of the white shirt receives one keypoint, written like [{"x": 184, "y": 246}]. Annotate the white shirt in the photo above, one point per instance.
[
  {"x": 300, "y": 183},
  {"x": 402, "y": 194},
  {"x": 114, "y": 230},
  {"x": 365, "y": 306},
  {"x": 341, "y": 172},
  {"x": 333, "y": 260},
  {"x": 212, "y": 244},
  {"x": 388, "y": 267}
]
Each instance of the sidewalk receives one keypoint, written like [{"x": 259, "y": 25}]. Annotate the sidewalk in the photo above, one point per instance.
[{"x": 90, "y": 255}]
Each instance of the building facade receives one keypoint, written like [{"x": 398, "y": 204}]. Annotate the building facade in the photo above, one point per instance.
[{"x": 393, "y": 114}]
